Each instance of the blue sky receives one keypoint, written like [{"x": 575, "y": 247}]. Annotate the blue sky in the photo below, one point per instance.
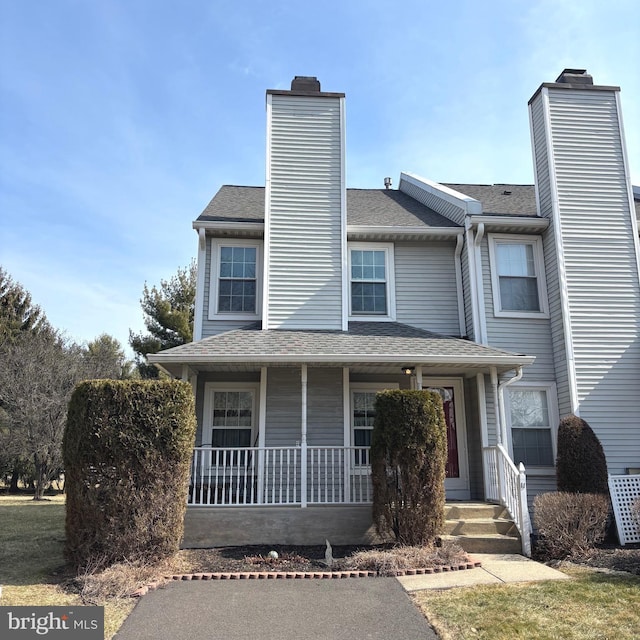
[{"x": 119, "y": 120}]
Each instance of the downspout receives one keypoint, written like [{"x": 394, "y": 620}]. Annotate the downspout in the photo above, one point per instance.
[
  {"x": 475, "y": 312},
  {"x": 501, "y": 388},
  {"x": 458, "y": 268},
  {"x": 477, "y": 257}
]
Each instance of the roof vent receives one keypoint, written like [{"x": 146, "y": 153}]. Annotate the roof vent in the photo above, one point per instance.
[
  {"x": 575, "y": 76},
  {"x": 506, "y": 193},
  {"x": 387, "y": 183},
  {"x": 306, "y": 84}
]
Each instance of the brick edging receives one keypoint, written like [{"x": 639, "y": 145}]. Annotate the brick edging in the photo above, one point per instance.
[{"x": 295, "y": 575}]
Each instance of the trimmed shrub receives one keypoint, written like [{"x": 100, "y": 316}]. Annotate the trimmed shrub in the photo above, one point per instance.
[
  {"x": 581, "y": 466},
  {"x": 408, "y": 458},
  {"x": 569, "y": 524},
  {"x": 127, "y": 450}
]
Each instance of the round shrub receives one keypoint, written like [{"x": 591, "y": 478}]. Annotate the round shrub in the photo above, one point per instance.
[
  {"x": 581, "y": 466},
  {"x": 127, "y": 449}
]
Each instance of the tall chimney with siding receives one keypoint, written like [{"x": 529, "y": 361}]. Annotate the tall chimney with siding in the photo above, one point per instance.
[
  {"x": 305, "y": 217},
  {"x": 592, "y": 257}
]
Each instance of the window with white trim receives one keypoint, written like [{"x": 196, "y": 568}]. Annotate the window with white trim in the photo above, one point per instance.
[
  {"x": 517, "y": 276},
  {"x": 235, "y": 277},
  {"x": 363, "y": 398},
  {"x": 532, "y": 416},
  {"x": 371, "y": 282}
]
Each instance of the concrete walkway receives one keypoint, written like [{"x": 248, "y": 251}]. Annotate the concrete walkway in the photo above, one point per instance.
[{"x": 495, "y": 569}]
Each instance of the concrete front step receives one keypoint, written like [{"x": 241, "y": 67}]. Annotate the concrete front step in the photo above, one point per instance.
[
  {"x": 487, "y": 543},
  {"x": 479, "y": 527}
]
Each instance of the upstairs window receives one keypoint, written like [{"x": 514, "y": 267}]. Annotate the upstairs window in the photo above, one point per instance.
[
  {"x": 517, "y": 275},
  {"x": 371, "y": 281},
  {"x": 235, "y": 274}
]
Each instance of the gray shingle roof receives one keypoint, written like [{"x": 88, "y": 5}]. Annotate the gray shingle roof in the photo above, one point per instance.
[
  {"x": 379, "y": 207},
  {"x": 364, "y": 342},
  {"x": 505, "y": 199}
]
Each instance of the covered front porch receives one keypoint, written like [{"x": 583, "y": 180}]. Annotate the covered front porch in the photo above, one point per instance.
[{"x": 279, "y": 429}]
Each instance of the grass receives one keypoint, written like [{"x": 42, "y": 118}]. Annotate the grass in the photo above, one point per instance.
[
  {"x": 592, "y": 606},
  {"x": 32, "y": 570}
]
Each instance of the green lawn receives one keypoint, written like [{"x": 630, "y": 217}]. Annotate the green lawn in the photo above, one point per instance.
[
  {"x": 592, "y": 606},
  {"x": 31, "y": 562}
]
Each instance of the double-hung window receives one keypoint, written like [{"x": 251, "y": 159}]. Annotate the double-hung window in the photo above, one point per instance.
[
  {"x": 236, "y": 279},
  {"x": 371, "y": 281},
  {"x": 532, "y": 415},
  {"x": 517, "y": 276},
  {"x": 230, "y": 419},
  {"x": 363, "y": 398}
]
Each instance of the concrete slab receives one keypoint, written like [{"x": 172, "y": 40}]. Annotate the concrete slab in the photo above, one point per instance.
[{"x": 496, "y": 569}]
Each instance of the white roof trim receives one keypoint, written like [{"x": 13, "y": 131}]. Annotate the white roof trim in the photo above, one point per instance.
[
  {"x": 446, "y": 232},
  {"x": 227, "y": 225},
  {"x": 469, "y": 205},
  {"x": 530, "y": 222},
  {"x": 413, "y": 357}
]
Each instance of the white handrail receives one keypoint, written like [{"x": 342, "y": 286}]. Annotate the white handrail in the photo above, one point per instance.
[{"x": 508, "y": 486}]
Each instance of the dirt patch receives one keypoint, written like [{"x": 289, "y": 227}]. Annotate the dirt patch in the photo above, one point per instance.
[{"x": 308, "y": 558}]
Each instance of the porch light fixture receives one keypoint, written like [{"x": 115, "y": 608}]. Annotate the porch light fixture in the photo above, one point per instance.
[{"x": 408, "y": 371}]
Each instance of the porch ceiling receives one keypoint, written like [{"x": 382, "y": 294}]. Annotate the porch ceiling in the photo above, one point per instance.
[{"x": 376, "y": 347}]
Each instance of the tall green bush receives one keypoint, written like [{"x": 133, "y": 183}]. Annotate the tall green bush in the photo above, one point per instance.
[
  {"x": 127, "y": 449},
  {"x": 581, "y": 466},
  {"x": 408, "y": 459}
]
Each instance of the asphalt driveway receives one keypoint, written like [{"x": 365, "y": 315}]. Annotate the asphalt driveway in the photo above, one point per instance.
[{"x": 348, "y": 609}]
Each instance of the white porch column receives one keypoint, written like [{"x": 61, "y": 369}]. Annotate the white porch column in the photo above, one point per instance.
[
  {"x": 496, "y": 402},
  {"x": 348, "y": 454},
  {"x": 419, "y": 377},
  {"x": 262, "y": 424},
  {"x": 484, "y": 430},
  {"x": 303, "y": 438}
]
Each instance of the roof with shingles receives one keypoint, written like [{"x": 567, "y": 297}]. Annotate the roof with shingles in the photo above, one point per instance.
[
  {"x": 501, "y": 199},
  {"x": 377, "y": 207},
  {"x": 363, "y": 342}
]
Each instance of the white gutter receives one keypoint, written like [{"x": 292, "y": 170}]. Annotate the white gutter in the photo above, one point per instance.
[
  {"x": 503, "y": 416},
  {"x": 256, "y": 228},
  {"x": 526, "y": 222},
  {"x": 458, "y": 267},
  {"x": 507, "y": 360},
  {"x": 439, "y": 232}
]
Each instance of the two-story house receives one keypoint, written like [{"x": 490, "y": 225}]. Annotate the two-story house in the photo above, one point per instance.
[{"x": 519, "y": 304}]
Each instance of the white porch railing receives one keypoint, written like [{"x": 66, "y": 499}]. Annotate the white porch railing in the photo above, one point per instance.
[
  {"x": 506, "y": 484},
  {"x": 274, "y": 476}
]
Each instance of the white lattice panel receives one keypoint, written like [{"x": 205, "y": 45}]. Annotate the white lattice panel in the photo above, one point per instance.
[{"x": 625, "y": 490}]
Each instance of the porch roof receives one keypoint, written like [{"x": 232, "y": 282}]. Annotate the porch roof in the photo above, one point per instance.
[{"x": 365, "y": 343}]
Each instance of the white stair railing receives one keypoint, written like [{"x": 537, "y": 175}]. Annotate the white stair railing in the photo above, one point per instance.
[{"x": 507, "y": 484}]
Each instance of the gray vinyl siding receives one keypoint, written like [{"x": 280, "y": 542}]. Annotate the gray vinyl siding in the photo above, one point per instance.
[
  {"x": 284, "y": 407},
  {"x": 443, "y": 207},
  {"x": 426, "y": 294},
  {"x": 325, "y": 426},
  {"x": 530, "y": 336},
  {"x": 467, "y": 295},
  {"x": 325, "y": 421},
  {"x": 474, "y": 442},
  {"x": 304, "y": 225},
  {"x": 601, "y": 271}
]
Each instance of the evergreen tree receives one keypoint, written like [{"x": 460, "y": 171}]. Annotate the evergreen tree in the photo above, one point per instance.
[{"x": 168, "y": 316}]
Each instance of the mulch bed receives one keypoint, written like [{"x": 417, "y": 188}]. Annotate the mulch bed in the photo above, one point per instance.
[{"x": 615, "y": 559}]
